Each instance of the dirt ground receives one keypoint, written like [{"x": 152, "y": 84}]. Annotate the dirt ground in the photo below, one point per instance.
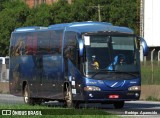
[
  {"x": 150, "y": 90},
  {"x": 147, "y": 90},
  {"x": 4, "y": 87}
]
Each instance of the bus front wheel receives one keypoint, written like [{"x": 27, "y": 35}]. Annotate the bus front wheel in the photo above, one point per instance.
[
  {"x": 118, "y": 104},
  {"x": 69, "y": 98}
]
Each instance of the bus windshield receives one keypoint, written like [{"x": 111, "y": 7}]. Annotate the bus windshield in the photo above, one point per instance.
[{"x": 110, "y": 53}]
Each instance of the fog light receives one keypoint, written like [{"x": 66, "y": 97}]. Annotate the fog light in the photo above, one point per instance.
[
  {"x": 134, "y": 88},
  {"x": 90, "y": 95},
  {"x": 136, "y": 94},
  {"x": 92, "y": 88}
]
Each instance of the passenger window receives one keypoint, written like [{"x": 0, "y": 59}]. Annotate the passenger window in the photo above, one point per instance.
[
  {"x": 56, "y": 41},
  {"x": 18, "y": 45},
  {"x": 43, "y": 42},
  {"x": 70, "y": 46},
  {"x": 31, "y": 44}
]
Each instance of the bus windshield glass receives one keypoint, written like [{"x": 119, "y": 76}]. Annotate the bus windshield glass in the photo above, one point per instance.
[{"x": 110, "y": 53}]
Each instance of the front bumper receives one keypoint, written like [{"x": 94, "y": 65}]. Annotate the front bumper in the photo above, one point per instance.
[{"x": 104, "y": 96}]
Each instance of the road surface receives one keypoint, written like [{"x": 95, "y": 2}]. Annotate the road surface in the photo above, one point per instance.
[{"x": 130, "y": 107}]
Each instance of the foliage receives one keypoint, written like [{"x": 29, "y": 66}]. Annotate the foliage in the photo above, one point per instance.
[
  {"x": 39, "y": 16},
  {"x": 59, "y": 112},
  {"x": 15, "y": 13},
  {"x": 1, "y": 4},
  {"x": 60, "y": 14},
  {"x": 151, "y": 98},
  {"x": 124, "y": 13},
  {"x": 79, "y": 11},
  {"x": 12, "y": 16}
]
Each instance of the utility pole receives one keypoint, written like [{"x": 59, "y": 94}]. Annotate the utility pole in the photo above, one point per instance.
[
  {"x": 142, "y": 58},
  {"x": 99, "y": 11},
  {"x": 142, "y": 18}
]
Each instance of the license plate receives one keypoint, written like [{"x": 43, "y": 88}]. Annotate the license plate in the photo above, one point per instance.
[{"x": 113, "y": 96}]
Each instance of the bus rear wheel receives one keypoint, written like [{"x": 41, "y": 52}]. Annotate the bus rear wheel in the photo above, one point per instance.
[{"x": 118, "y": 104}]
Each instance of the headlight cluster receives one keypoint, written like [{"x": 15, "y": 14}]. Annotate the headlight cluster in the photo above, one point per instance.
[
  {"x": 134, "y": 88},
  {"x": 92, "y": 88}
]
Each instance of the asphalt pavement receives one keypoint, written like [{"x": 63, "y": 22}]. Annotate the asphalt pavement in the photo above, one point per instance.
[{"x": 144, "y": 109}]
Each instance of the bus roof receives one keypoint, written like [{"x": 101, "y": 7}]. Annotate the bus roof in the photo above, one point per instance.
[{"x": 80, "y": 27}]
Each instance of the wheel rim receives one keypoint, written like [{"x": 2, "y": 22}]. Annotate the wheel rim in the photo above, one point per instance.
[
  {"x": 26, "y": 96},
  {"x": 68, "y": 97}
]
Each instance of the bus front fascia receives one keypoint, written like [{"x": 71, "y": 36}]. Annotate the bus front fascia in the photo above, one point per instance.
[{"x": 80, "y": 79}]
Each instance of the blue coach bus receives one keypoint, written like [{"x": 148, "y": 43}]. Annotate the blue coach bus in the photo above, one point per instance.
[{"x": 79, "y": 62}]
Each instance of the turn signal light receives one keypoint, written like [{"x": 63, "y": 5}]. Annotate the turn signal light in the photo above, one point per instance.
[{"x": 92, "y": 88}]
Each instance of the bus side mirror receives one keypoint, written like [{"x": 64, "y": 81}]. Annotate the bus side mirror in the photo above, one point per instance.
[
  {"x": 143, "y": 43},
  {"x": 81, "y": 47}
]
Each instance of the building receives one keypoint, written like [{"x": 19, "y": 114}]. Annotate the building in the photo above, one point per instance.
[
  {"x": 150, "y": 26},
  {"x": 34, "y": 3},
  {"x": 4, "y": 69}
]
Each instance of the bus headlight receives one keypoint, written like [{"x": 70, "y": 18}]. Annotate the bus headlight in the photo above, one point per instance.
[
  {"x": 92, "y": 88},
  {"x": 134, "y": 88}
]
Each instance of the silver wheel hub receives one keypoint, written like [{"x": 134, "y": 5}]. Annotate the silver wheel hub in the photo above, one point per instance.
[{"x": 26, "y": 97}]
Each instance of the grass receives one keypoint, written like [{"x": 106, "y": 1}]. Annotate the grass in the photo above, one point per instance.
[
  {"x": 64, "y": 116},
  {"x": 57, "y": 112},
  {"x": 150, "y": 73},
  {"x": 151, "y": 98}
]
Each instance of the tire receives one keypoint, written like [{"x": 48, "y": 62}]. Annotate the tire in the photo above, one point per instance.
[
  {"x": 119, "y": 104},
  {"x": 36, "y": 101},
  {"x": 69, "y": 98},
  {"x": 26, "y": 96}
]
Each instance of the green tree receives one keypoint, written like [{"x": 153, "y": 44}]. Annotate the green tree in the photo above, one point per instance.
[
  {"x": 13, "y": 15},
  {"x": 79, "y": 11},
  {"x": 39, "y": 16},
  {"x": 124, "y": 13},
  {"x": 1, "y": 4},
  {"x": 93, "y": 11},
  {"x": 60, "y": 12},
  {"x": 118, "y": 12}
]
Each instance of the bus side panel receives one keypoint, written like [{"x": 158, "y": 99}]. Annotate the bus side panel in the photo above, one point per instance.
[
  {"x": 21, "y": 69},
  {"x": 28, "y": 73},
  {"x": 14, "y": 85},
  {"x": 52, "y": 77}
]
